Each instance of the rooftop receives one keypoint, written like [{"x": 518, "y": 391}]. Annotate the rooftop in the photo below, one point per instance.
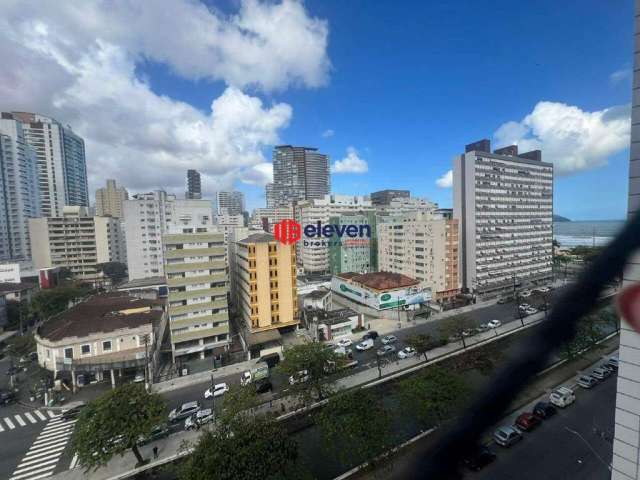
[
  {"x": 8, "y": 287},
  {"x": 318, "y": 294},
  {"x": 100, "y": 314},
  {"x": 143, "y": 282},
  {"x": 258, "y": 238},
  {"x": 380, "y": 280},
  {"x": 332, "y": 316}
]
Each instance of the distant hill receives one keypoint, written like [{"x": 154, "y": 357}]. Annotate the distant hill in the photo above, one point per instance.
[{"x": 558, "y": 218}]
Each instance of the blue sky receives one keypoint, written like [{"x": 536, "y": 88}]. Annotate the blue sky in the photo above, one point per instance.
[{"x": 409, "y": 84}]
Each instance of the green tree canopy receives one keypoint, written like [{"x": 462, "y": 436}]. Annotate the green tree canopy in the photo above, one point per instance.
[
  {"x": 422, "y": 343},
  {"x": 50, "y": 302},
  {"x": 114, "y": 423},
  {"x": 454, "y": 326},
  {"x": 116, "y": 271}
]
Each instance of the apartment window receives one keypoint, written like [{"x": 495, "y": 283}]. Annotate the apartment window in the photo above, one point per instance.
[
  {"x": 106, "y": 346},
  {"x": 68, "y": 352},
  {"x": 85, "y": 349}
]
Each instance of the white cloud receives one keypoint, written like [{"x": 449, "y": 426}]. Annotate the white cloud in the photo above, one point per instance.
[
  {"x": 328, "y": 133},
  {"x": 446, "y": 180},
  {"x": 619, "y": 76},
  {"x": 77, "y": 61},
  {"x": 260, "y": 174},
  {"x": 573, "y": 139},
  {"x": 352, "y": 163}
]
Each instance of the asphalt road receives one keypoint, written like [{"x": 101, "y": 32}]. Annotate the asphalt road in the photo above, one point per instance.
[{"x": 553, "y": 453}]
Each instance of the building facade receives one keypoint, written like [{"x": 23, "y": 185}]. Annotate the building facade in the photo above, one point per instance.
[
  {"x": 229, "y": 203},
  {"x": 61, "y": 162},
  {"x": 384, "y": 197},
  {"x": 76, "y": 241},
  {"x": 194, "y": 186},
  {"x": 147, "y": 217},
  {"x": 19, "y": 190},
  {"x": 313, "y": 257},
  {"x": 265, "y": 218},
  {"x": 110, "y": 200},
  {"x": 299, "y": 173},
  {"x": 196, "y": 271},
  {"x": 424, "y": 246},
  {"x": 503, "y": 202},
  {"x": 354, "y": 254},
  {"x": 266, "y": 279}
]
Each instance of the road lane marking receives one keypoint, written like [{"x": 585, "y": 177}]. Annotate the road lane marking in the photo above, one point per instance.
[
  {"x": 74, "y": 461},
  {"x": 46, "y": 451},
  {"x": 40, "y": 415},
  {"x": 20, "y": 421},
  {"x": 31, "y": 461},
  {"x": 30, "y": 417},
  {"x": 1, "y": 428},
  {"x": 48, "y": 469},
  {"x": 51, "y": 414},
  {"x": 52, "y": 441},
  {"x": 9, "y": 423}
]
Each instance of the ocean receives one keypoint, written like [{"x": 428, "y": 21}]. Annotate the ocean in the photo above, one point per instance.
[{"x": 587, "y": 233}]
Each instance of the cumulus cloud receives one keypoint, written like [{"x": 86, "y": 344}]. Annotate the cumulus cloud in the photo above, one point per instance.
[
  {"x": 328, "y": 133},
  {"x": 573, "y": 139},
  {"x": 352, "y": 163},
  {"x": 620, "y": 76},
  {"x": 446, "y": 180},
  {"x": 79, "y": 62},
  {"x": 260, "y": 174}
]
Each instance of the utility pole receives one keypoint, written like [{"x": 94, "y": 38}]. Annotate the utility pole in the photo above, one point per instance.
[{"x": 145, "y": 337}]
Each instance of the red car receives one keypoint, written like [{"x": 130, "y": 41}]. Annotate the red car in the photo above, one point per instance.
[{"x": 527, "y": 421}]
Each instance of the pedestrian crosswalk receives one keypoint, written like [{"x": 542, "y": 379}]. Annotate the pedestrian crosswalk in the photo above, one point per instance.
[
  {"x": 23, "y": 419},
  {"x": 42, "y": 458}
]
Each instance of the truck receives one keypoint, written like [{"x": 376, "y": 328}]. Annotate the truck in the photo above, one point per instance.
[{"x": 258, "y": 372}]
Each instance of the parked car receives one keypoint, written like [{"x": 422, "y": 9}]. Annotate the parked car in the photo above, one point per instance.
[
  {"x": 386, "y": 350},
  {"x": 73, "y": 412},
  {"x": 345, "y": 342},
  {"x": 503, "y": 300},
  {"x": 469, "y": 332},
  {"x": 299, "y": 377},
  {"x": 494, "y": 324},
  {"x": 198, "y": 419},
  {"x": 479, "y": 458},
  {"x": 525, "y": 293},
  {"x": 562, "y": 397},
  {"x": 183, "y": 411},
  {"x": 218, "y": 390},
  {"x": 506, "y": 436},
  {"x": 7, "y": 397},
  {"x": 371, "y": 334},
  {"x": 264, "y": 387},
  {"x": 365, "y": 345},
  {"x": 586, "y": 381},
  {"x": 527, "y": 421},
  {"x": 543, "y": 289},
  {"x": 407, "y": 352},
  {"x": 387, "y": 339},
  {"x": 530, "y": 311},
  {"x": 158, "y": 432},
  {"x": 608, "y": 368},
  {"x": 613, "y": 362},
  {"x": 600, "y": 373},
  {"x": 544, "y": 410},
  {"x": 524, "y": 306},
  {"x": 139, "y": 377}
]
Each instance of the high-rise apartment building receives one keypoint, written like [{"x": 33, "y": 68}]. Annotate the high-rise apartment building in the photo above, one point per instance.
[
  {"x": 266, "y": 278},
  {"x": 384, "y": 197},
  {"x": 421, "y": 245},
  {"x": 147, "y": 217},
  {"x": 19, "y": 191},
  {"x": 400, "y": 205},
  {"x": 360, "y": 254},
  {"x": 110, "y": 200},
  {"x": 229, "y": 203},
  {"x": 194, "y": 187},
  {"x": 265, "y": 218},
  {"x": 503, "y": 202},
  {"x": 77, "y": 241},
  {"x": 196, "y": 271},
  {"x": 625, "y": 463},
  {"x": 270, "y": 195},
  {"x": 299, "y": 173},
  {"x": 314, "y": 256},
  {"x": 60, "y": 153}
]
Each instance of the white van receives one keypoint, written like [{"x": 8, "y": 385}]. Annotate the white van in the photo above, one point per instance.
[{"x": 562, "y": 397}]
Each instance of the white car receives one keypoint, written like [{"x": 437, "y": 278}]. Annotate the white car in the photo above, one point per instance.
[
  {"x": 530, "y": 311},
  {"x": 365, "y": 345},
  {"x": 387, "y": 339},
  {"x": 407, "y": 352},
  {"x": 562, "y": 397},
  {"x": 345, "y": 342},
  {"x": 543, "y": 289},
  {"x": 218, "y": 390},
  {"x": 494, "y": 324},
  {"x": 299, "y": 377},
  {"x": 525, "y": 294},
  {"x": 198, "y": 419}
]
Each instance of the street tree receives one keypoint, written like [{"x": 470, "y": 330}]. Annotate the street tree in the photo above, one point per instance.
[
  {"x": 245, "y": 447},
  {"x": 21, "y": 345},
  {"x": 456, "y": 327},
  {"x": 50, "y": 302},
  {"x": 311, "y": 366},
  {"x": 116, "y": 271},
  {"x": 355, "y": 427},
  {"x": 434, "y": 395},
  {"x": 421, "y": 343},
  {"x": 238, "y": 400},
  {"x": 114, "y": 423}
]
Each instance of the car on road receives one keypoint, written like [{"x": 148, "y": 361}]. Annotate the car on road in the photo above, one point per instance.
[
  {"x": 371, "y": 334},
  {"x": 542, "y": 289},
  {"x": 586, "y": 381},
  {"x": 600, "y": 373},
  {"x": 524, "y": 306},
  {"x": 544, "y": 410},
  {"x": 7, "y": 397},
  {"x": 73, "y": 412},
  {"x": 483, "y": 327},
  {"x": 562, "y": 397},
  {"x": 468, "y": 332},
  {"x": 407, "y": 352},
  {"x": 494, "y": 324},
  {"x": 184, "y": 411},
  {"x": 525, "y": 293},
  {"x": 479, "y": 458},
  {"x": 530, "y": 311},
  {"x": 527, "y": 421},
  {"x": 199, "y": 419},
  {"x": 264, "y": 387},
  {"x": 506, "y": 436},
  {"x": 218, "y": 390},
  {"x": 385, "y": 350},
  {"x": 366, "y": 344},
  {"x": 387, "y": 339},
  {"x": 608, "y": 368},
  {"x": 158, "y": 432},
  {"x": 613, "y": 362},
  {"x": 345, "y": 342},
  {"x": 299, "y": 377},
  {"x": 503, "y": 300}
]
